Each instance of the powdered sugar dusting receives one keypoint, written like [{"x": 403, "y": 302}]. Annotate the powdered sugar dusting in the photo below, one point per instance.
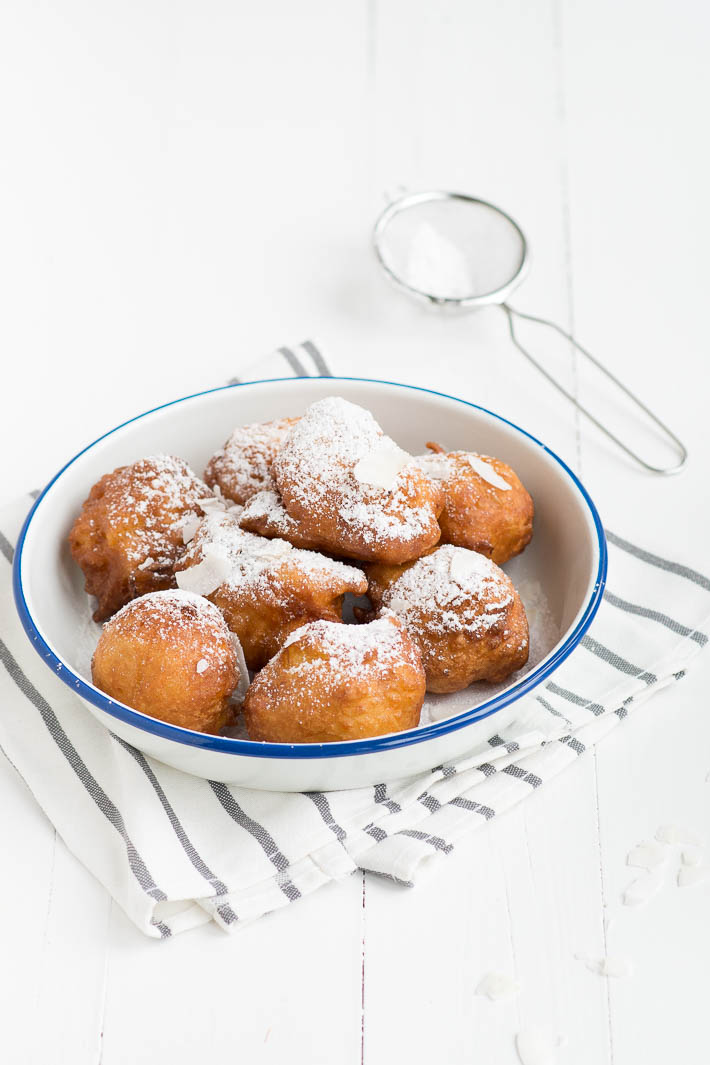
[
  {"x": 319, "y": 459},
  {"x": 354, "y": 650},
  {"x": 450, "y": 585},
  {"x": 172, "y": 616},
  {"x": 243, "y": 466},
  {"x": 244, "y": 560},
  {"x": 443, "y": 466},
  {"x": 267, "y": 509},
  {"x": 158, "y": 492}
]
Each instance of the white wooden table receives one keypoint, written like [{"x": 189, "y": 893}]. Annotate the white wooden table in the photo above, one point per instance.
[{"x": 184, "y": 186}]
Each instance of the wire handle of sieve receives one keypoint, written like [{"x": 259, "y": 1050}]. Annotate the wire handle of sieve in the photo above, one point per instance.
[{"x": 511, "y": 314}]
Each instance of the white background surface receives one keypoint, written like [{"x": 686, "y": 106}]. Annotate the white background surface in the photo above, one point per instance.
[{"x": 184, "y": 186}]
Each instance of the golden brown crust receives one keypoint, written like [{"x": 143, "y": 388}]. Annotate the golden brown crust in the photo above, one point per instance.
[
  {"x": 477, "y": 514},
  {"x": 265, "y": 515},
  {"x": 326, "y": 685},
  {"x": 242, "y": 466},
  {"x": 269, "y": 589},
  {"x": 169, "y": 655},
  {"x": 128, "y": 535},
  {"x": 462, "y": 611}
]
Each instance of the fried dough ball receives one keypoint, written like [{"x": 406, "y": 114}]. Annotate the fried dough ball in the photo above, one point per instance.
[
  {"x": 338, "y": 682},
  {"x": 462, "y": 611},
  {"x": 128, "y": 535},
  {"x": 169, "y": 655},
  {"x": 486, "y": 507},
  {"x": 352, "y": 489},
  {"x": 266, "y": 515},
  {"x": 243, "y": 466},
  {"x": 264, "y": 588}
]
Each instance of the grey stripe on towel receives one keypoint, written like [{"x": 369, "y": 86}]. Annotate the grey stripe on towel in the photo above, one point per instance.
[
  {"x": 260, "y": 834},
  {"x": 318, "y": 360},
  {"x": 654, "y": 615},
  {"x": 219, "y": 887},
  {"x": 105, "y": 805},
  {"x": 656, "y": 560},
  {"x": 617, "y": 661}
]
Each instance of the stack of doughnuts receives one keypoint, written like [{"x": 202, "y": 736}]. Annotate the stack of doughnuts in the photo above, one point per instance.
[{"x": 225, "y": 595}]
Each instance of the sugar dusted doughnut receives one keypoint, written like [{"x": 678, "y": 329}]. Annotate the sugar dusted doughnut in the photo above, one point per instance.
[
  {"x": 170, "y": 655},
  {"x": 338, "y": 682},
  {"x": 242, "y": 466},
  {"x": 352, "y": 489},
  {"x": 486, "y": 507},
  {"x": 266, "y": 515},
  {"x": 129, "y": 533},
  {"x": 462, "y": 611},
  {"x": 264, "y": 588}
]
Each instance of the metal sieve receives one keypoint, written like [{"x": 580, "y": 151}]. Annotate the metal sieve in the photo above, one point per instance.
[{"x": 458, "y": 251}]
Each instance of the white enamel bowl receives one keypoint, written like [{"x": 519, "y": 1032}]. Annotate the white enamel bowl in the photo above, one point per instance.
[{"x": 567, "y": 557}]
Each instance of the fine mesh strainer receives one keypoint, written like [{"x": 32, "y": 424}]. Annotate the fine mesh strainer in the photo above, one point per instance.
[{"x": 456, "y": 250}]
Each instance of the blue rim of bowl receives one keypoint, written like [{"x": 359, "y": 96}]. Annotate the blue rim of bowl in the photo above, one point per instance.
[{"x": 255, "y": 749}]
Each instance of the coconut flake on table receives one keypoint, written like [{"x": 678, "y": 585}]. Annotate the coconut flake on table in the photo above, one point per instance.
[
  {"x": 495, "y": 986},
  {"x": 648, "y": 855},
  {"x": 537, "y": 1045},
  {"x": 644, "y": 888},
  {"x": 617, "y": 968},
  {"x": 692, "y": 857},
  {"x": 691, "y": 875},
  {"x": 679, "y": 835}
]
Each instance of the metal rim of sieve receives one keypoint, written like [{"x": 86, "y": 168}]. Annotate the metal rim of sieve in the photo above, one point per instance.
[
  {"x": 499, "y": 297},
  {"x": 495, "y": 296}
]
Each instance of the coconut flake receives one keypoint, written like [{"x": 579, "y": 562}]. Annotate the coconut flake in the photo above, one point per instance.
[
  {"x": 211, "y": 504},
  {"x": 488, "y": 473},
  {"x": 677, "y": 834},
  {"x": 690, "y": 875},
  {"x": 618, "y": 968},
  {"x": 692, "y": 857},
  {"x": 648, "y": 855},
  {"x": 496, "y": 986},
  {"x": 206, "y": 576},
  {"x": 381, "y": 467},
  {"x": 465, "y": 565},
  {"x": 201, "y": 666},
  {"x": 537, "y": 1046},
  {"x": 241, "y": 688},
  {"x": 189, "y": 527},
  {"x": 644, "y": 888}
]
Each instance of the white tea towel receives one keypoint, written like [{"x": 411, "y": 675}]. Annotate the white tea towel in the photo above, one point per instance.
[{"x": 175, "y": 851}]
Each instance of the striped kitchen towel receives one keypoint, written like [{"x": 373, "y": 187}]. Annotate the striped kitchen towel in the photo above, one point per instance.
[{"x": 175, "y": 851}]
